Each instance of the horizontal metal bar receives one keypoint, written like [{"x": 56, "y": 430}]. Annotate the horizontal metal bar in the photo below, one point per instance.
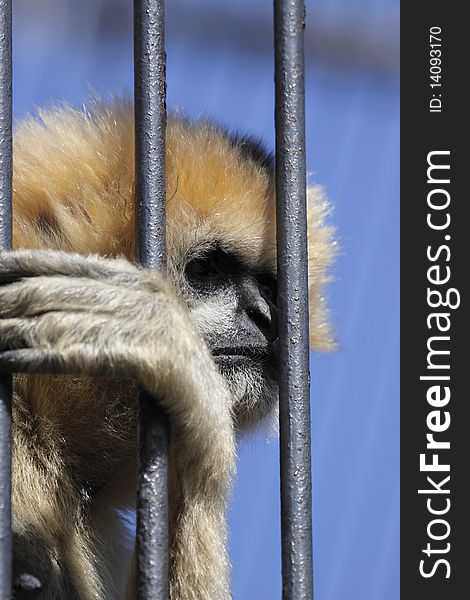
[
  {"x": 5, "y": 242},
  {"x": 294, "y": 379},
  {"x": 150, "y": 124}
]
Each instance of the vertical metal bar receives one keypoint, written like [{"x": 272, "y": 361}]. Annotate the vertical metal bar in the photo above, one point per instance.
[
  {"x": 150, "y": 123},
  {"x": 294, "y": 382},
  {"x": 5, "y": 242}
]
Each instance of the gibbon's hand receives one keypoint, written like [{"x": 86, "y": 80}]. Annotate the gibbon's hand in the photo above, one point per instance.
[{"x": 69, "y": 314}]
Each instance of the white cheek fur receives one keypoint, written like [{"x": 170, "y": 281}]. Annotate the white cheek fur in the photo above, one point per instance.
[{"x": 213, "y": 316}]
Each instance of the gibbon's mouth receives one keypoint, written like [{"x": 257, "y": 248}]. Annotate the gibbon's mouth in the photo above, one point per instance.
[{"x": 242, "y": 354}]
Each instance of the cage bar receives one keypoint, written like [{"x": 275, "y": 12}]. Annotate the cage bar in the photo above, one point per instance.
[
  {"x": 5, "y": 243},
  {"x": 294, "y": 377},
  {"x": 150, "y": 125}
]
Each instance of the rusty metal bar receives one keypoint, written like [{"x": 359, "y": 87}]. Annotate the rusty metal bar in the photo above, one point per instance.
[
  {"x": 5, "y": 242},
  {"x": 150, "y": 123},
  {"x": 294, "y": 378}
]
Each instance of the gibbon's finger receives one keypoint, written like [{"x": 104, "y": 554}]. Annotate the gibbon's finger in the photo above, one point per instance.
[
  {"x": 60, "y": 331},
  {"x": 42, "y": 360},
  {"x": 15, "y": 333},
  {"x": 79, "y": 359},
  {"x": 19, "y": 264},
  {"x": 31, "y": 360},
  {"x": 38, "y": 295}
]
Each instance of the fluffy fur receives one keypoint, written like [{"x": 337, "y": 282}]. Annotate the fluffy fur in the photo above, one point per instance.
[{"x": 74, "y": 434}]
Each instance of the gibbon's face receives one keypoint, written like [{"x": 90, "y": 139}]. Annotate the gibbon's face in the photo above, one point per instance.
[
  {"x": 234, "y": 308},
  {"x": 221, "y": 244}
]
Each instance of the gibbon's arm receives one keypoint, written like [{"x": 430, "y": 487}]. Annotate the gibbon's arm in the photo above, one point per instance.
[{"x": 69, "y": 314}]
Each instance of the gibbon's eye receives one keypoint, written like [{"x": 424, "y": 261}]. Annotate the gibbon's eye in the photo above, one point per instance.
[
  {"x": 217, "y": 268},
  {"x": 203, "y": 268}
]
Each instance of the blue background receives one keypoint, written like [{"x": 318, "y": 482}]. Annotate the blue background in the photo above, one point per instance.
[{"x": 220, "y": 64}]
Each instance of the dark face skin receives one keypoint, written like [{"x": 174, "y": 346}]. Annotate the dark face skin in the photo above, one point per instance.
[{"x": 244, "y": 340}]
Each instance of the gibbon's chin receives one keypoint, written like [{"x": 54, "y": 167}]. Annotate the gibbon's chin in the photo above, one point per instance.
[{"x": 253, "y": 387}]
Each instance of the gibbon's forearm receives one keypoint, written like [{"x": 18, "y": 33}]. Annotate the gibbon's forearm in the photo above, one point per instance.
[{"x": 199, "y": 563}]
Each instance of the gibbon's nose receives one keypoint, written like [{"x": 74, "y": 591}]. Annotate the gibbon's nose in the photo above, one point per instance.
[
  {"x": 26, "y": 586},
  {"x": 261, "y": 311}
]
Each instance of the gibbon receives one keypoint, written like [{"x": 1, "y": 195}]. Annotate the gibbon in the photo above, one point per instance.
[{"x": 84, "y": 327}]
